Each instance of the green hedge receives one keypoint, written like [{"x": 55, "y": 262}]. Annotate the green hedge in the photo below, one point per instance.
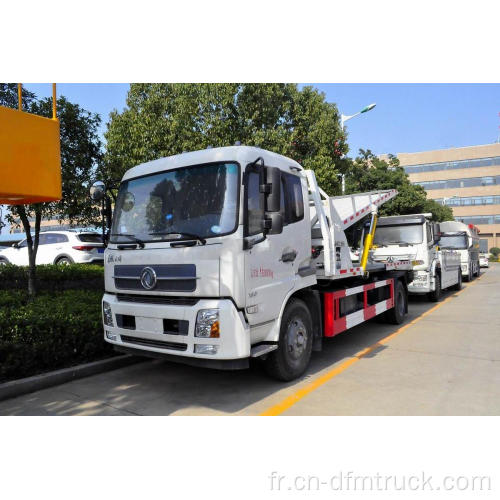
[
  {"x": 53, "y": 331},
  {"x": 54, "y": 278}
]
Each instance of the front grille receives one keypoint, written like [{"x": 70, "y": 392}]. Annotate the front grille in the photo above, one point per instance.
[
  {"x": 170, "y": 277},
  {"x": 148, "y": 299},
  {"x": 176, "y": 346}
]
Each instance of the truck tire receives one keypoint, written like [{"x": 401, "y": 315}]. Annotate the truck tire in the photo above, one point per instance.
[
  {"x": 478, "y": 269},
  {"x": 292, "y": 357},
  {"x": 397, "y": 314},
  {"x": 458, "y": 286},
  {"x": 435, "y": 296}
]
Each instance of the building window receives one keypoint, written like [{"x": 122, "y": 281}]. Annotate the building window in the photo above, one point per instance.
[
  {"x": 479, "y": 219},
  {"x": 451, "y": 165},
  {"x": 460, "y": 183},
  {"x": 470, "y": 200}
]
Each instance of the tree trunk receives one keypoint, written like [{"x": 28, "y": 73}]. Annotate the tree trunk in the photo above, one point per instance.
[{"x": 32, "y": 245}]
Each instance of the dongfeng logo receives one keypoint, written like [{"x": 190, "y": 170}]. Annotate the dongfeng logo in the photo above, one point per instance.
[{"x": 148, "y": 278}]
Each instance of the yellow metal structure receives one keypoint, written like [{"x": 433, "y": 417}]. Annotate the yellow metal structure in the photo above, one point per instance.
[
  {"x": 30, "y": 156},
  {"x": 368, "y": 242}
]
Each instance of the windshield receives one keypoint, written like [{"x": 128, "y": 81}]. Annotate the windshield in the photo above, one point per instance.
[
  {"x": 387, "y": 235},
  {"x": 457, "y": 241},
  {"x": 200, "y": 200}
]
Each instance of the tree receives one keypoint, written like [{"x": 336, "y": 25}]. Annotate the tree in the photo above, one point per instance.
[
  {"x": 80, "y": 156},
  {"x": 370, "y": 173},
  {"x": 163, "y": 119}
]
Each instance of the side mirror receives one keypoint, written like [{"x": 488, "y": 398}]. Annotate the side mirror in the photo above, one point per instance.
[
  {"x": 273, "y": 223},
  {"x": 273, "y": 180},
  {"x": 97, "y": 191},
  {"x": 437, "y": 233}
]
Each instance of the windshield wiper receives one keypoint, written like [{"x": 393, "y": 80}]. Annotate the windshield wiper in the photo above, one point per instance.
[
  {"x": 188, "y": 236},
  {"x": 130, "y": 237},
  {"x": 400, "y": 243}
]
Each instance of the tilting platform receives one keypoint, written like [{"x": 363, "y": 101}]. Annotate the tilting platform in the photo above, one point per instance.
[{"x": 330, "y": 217}]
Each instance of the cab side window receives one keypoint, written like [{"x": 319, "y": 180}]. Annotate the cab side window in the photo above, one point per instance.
[{"x": 294, "y": 201}]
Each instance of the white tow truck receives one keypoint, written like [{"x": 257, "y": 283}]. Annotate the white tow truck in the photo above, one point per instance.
[
  {"x": 226, "y": 254},
  {"x": 464, "y": 238},
  {"x": 415, "y": 238}
]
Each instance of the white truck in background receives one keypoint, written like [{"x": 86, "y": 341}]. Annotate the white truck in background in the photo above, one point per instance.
[
  {"x": 463, "y": 238},
  {"x": 226, "y": 254},
  {"x": 415, "y": 238}
]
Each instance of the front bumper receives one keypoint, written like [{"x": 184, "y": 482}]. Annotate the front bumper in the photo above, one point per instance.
[
  {"x": 148, "y": 335},
  {"x": 465, "y": 269},
  {"x": 421, "y": 283}
]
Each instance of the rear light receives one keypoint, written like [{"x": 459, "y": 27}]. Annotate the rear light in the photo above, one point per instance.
[{"x": 84, "y": 247}]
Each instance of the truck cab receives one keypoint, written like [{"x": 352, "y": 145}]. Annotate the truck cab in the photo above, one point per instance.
[
  {"x": 415, "y": 237},
  {"x": 193, "y": 233},
  {"x": 464, "y": 239}
]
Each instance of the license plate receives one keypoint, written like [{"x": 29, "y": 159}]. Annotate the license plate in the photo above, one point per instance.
[{"x": 100, "y": 250}]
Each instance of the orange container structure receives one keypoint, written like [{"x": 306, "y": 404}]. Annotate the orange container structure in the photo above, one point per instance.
[{"x": 30, "y": 158}]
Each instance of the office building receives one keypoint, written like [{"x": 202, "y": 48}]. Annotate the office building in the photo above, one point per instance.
[{"x": 467, "y": 179}]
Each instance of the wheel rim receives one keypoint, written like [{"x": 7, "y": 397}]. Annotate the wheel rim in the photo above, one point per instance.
[
  {"x": 63, "y": 262},
  {"x": 296, "y": 338}
]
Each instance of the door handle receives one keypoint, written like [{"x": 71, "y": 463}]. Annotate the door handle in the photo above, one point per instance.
[{"x": 289, "y": 256}]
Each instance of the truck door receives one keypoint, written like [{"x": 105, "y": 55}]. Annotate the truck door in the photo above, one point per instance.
[{"x": 272, "y": 263}]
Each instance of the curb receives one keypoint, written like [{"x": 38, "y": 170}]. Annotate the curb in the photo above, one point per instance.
[{"x": 26, "y": 385}]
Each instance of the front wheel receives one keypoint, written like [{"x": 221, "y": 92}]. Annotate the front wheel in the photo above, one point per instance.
[
  {"x": 435, "y": 296},
  {"x": 292, "y": 357},
  {"x": 458, "y": 286},
  {"x": 478, "y": 269},
  {"x": 3, "y": 262},
  {"x": 396, "y": 315}
]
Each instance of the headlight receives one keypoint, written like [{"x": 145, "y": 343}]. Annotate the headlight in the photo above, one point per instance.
[
  {"x": 107, "y": 315},
  {"x": 207, "y": 324}
]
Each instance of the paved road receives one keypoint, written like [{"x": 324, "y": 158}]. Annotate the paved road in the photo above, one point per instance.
[{"x": 443, "y": 361}]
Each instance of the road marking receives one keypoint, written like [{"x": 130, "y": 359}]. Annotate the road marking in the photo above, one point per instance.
[{"x": 294, "y": 398}]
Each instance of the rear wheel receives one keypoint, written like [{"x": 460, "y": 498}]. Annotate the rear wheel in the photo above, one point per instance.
[
  {"x": 396, "y": 315},
  {"x": 435, "y": 296},
  {"x": 291, "y": 358},
  {"x": 3, "y": 261},
  {"x": 64, "y": 261},
  {"x": 458, "y": 286}
]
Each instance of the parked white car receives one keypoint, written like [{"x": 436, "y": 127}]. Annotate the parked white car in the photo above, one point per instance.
[
  {"x": 484, "y": 260},
  {"x": 58, "y": 247}
]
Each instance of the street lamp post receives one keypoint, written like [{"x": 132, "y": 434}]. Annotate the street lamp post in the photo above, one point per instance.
[{"x": 343, "y": 119}]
